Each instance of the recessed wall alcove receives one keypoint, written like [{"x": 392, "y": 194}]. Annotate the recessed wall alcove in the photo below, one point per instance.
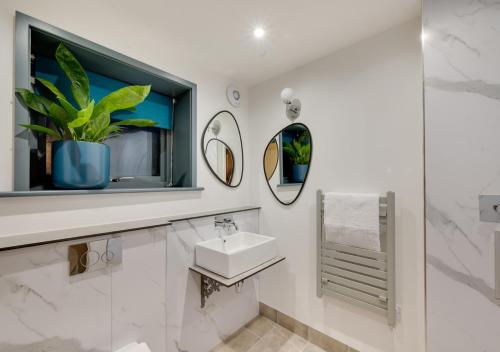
[{"x": 161, "y": 158}]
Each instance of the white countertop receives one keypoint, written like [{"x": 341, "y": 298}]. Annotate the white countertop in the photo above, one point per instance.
[
  {"x": 230, "y": 282},
  {"x": 32, "y": 238}
]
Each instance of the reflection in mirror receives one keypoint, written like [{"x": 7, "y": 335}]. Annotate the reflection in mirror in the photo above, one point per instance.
[
  {"x": 223, "y": 149},
  {"x": 271, "y": 159},
  {"x": 221, "y": 159},
  {"x": 286, "y": 162}
]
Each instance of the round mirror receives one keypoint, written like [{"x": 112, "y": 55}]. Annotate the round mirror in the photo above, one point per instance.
[
  {"x": 286, "y": 162},
  {"x": 222, "y": 148}
]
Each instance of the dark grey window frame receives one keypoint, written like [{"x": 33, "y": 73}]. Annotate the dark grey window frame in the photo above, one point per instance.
[{"x": 184, "y": 172}]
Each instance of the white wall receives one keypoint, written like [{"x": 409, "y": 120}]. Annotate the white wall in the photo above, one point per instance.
[
  {"x": 363, "y": 106},
  {"x": 132, "y": 36}
]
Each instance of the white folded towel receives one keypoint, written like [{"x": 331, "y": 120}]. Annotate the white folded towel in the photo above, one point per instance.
[
  {"x": 135, "y": 347},
  {"x": 352, "y": 219}
]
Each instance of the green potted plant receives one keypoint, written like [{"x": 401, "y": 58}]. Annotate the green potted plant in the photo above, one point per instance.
[
  {"x": 299, "y": 152},
  {"x": 80, "y": 159}
]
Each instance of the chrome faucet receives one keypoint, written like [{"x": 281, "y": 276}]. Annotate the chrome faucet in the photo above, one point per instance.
[{"x": 225, "y": 223}]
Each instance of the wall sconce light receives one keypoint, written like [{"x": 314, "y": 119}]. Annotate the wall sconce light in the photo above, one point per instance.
[{"x": 293, "y": 105}]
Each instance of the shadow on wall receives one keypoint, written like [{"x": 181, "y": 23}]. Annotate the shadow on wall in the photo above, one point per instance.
[
  {"x": 189, "y": 327},
  {"x": 225, "y": 312}
]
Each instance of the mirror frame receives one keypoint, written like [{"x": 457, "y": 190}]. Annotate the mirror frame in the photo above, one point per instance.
[
  {"x": 241, "y": 145},
  {"x": 308, "y": 169}
]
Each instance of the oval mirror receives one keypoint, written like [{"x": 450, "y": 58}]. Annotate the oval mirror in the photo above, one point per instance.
[
  {"x": 222, "y": 148},
  {"x": 286, "y": 162}
]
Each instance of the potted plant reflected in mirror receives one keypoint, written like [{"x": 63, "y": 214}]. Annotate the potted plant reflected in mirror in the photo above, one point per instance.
[
  {"x": 79, "y": 126},
  {"x": 299, "y": 152}
]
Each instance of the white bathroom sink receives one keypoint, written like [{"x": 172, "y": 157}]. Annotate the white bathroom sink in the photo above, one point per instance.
[{"x": 239, "y": 253}]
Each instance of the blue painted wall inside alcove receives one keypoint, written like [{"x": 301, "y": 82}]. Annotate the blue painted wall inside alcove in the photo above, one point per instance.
[{"x": 156, "y": 107}]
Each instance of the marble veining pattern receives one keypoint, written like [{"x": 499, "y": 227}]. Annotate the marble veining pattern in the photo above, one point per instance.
[
  {"x": 138, "y": 290},
  {"x": 225, "y": 311},
  {"x": 43, "y": 309},
  {"x": 462, "y": 121},
  {"x": 151, "y": 297}
]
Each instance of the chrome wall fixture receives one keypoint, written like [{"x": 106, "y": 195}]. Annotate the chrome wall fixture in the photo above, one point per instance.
[
  {"x": 362, "y": 277},
  {"x": 489, "y": 211},
  {"x": 96, "y": 255},
  {"x": 489, "y": 208},
  {"x": 293, "y": 105}
]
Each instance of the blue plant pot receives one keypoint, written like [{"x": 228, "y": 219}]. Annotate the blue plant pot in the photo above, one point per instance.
[
  {"x": 299, "y": 172},
  {"x": 80, "y": 165}
]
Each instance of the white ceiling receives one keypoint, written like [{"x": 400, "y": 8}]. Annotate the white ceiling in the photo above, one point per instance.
[{"x": 217, "y": 34}]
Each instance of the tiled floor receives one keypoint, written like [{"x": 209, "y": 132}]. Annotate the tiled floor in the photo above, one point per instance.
[{"x": 263, "y": 335}]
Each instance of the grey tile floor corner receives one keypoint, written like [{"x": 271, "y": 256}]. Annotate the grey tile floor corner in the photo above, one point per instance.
[{"x": 264, "y": 335}]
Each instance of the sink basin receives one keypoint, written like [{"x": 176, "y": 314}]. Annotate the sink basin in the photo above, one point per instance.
[{"x": 239, "y": 253}]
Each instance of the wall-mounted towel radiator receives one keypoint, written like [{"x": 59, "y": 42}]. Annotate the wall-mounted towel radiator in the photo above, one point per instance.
[{"x": 359, "y": 276}]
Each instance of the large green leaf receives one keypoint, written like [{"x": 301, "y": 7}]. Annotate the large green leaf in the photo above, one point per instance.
[
  {"x": 97, "y": 125},
  {"x": 50, "y": 86},
  {"x": 121, "y": 99},
  {"x": 43, "y": 129},
  {"x": 135, "y": 122},
  {"x": 82, "y": 116},
  {"x": 76, "y": 74},
  {"x": 102, "y": 121},
  {"x": 33, "y": 101},
  {"x": 89, "y": 122},
  {"x": 58, "y": 115},
  {"x": 71, "y": 111},
  {"x": 43, "y": 106}
]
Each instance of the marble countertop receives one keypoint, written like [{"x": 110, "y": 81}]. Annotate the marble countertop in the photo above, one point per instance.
[{"x": 9, "y": 241}]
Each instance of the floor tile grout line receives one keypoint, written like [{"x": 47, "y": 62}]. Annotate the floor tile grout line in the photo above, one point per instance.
[
  {"x": 253, "y": 333},
  {"x": 308, "y": 341},
  {"x": 261, "y": 337},
  {"x": 258, "y": 338},
  {"x": 274, "y": 327}
]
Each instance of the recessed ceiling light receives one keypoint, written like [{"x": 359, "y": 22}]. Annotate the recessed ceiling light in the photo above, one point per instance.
[{"x": 259, "y": 32}]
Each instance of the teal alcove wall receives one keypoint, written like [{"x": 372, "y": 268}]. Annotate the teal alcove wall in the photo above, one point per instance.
[{"x": 157, "y": 107}]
